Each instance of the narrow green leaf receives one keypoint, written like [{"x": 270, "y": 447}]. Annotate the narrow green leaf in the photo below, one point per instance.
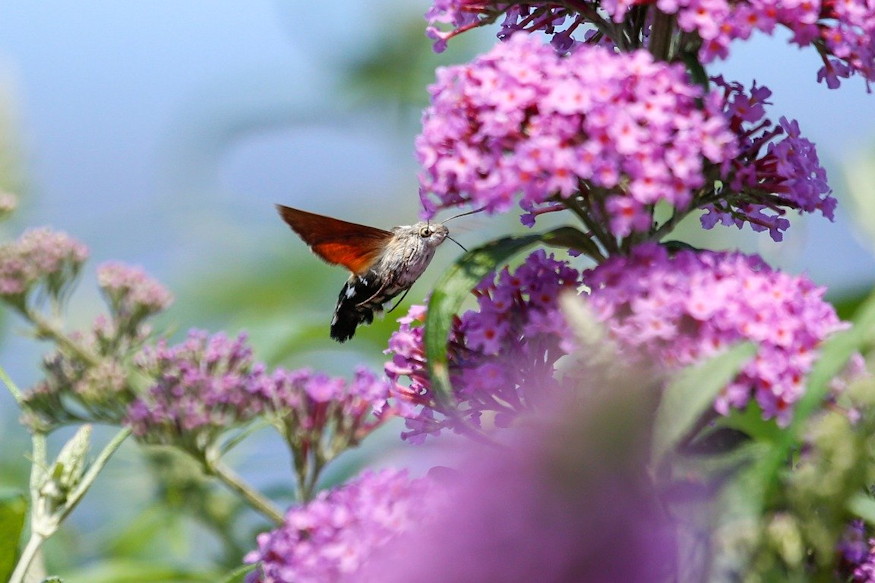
[
  {"x": 450, "y": 293},
  {"x": 12, "y": 512},
  {"x": 691, "y": 394},
  {"x": 571, "y": 238},
  {"x": 238, "y": 575},
  {"x": 834, "y": 356}
]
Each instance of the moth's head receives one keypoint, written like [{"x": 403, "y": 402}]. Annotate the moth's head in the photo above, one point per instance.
[{"x": 431, "y": 234}]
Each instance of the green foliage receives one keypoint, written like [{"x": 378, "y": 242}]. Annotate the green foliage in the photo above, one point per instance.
[
  {"x": 691, "y": 395},
  {"x": 13, "y": 509}
]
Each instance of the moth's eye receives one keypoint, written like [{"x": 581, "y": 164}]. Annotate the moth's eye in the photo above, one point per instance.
[{"x": 425, "y": 231}]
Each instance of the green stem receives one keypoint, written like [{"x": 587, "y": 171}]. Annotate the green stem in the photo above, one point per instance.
[
  {"x": 45, "y": 328},
  {"x": 10, "y": 384},
  {"x": 27, "y": 555},
  {"x": 255, "y": 499},
  {"x": 45, "y": 525},
  {"x": 93, "y": 469},
  {"x": 661, "y": 35},
  {"x": 37, "y": 472}
]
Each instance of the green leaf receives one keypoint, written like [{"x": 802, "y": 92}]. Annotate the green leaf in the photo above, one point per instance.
[
  {"x": 571, "y": 238},
  {"x": 863, "y": 506},
  {"x": 133, "y": 571},
  {"x": 12, "y": 512},
  {"x": 750, "y": 421},
  {"x": 690, "y": 395},
  {"x": 238, "y": 575},
  {"x": 450, "y": 293},
  {"x": 834, "y": 356}
]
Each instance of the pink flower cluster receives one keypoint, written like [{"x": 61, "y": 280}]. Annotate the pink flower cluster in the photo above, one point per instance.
[
  {"x": 842, "y": 31},
  {"x": 75, "y": 388},
  {"x": 43, "y": 257},
  {"x": 333, "y": 536},
  {"x": 130, "y": 293},
  {"x": 776, "y": 168},
  {"x": 680, "y": 308},
  {"x": 502, "y": 355},
  {"x": 623, "y": 131}
]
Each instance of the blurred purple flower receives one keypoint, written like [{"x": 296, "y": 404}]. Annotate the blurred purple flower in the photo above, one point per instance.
[
  {"x": 330, "y": 538},
  {"x": 566, "y": 498},
  {"x": 865, "y": 571}
]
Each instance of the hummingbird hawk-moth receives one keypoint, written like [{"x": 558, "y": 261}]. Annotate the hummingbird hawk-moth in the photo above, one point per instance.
[{"x": 383, "y": 263}]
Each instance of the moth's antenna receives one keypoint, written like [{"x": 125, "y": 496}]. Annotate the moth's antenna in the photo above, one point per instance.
[
  {"x": 483, "y": 208},
  {"x": 456, "y": 242}
]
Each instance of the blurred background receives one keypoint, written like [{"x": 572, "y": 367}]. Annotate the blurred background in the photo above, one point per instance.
[{"x": 162, "y": 133}]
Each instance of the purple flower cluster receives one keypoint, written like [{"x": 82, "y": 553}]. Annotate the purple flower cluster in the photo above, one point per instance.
[
  {"x": 210, "y": 384},
  {"x": 464, "y": 15},
  {"x": 90, "y": 384},
  {"x": 681, "y": 308},
  {"x": 318, "y": 414},
  {"x": 623, "y": 130},
  {"x": 502, "y": 355},
  {"x": 333, "y": 536},
  {"x": 130, "y": 293},
  {"x": 40, "y": 257},
  {"x": 203, "y": 386},
  {"x": 842, "y": 31},
  {"x": 865, "y": 570},
  {"x": 854, "y": 554},
  {"x": 769, "y": 174}
]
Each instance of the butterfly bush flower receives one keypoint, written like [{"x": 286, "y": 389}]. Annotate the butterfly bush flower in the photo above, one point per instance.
[
  {"x": 331, "y": 537},
  {"x": 87, "y": 375},
  {"x": 131, "y": 294},
  {"x": 865, "y": 570},
  {"x": 502, "y": 354},
  {"x": 842, "y": 32},
  {"x": 566, "y": 499},
  {"x": 680, "y": 308},
  {"x": 89, "y": 384},
  {"x": 320, "y": 416},
  {"x": 204, "y": 386},
  {"x": 50, "y": 260},
  {"x": 776, "y": 168},
  {"x": 622, "y": 131}
]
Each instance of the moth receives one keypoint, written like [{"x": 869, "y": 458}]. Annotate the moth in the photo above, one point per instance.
[{"x": 383, "y": 263}]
